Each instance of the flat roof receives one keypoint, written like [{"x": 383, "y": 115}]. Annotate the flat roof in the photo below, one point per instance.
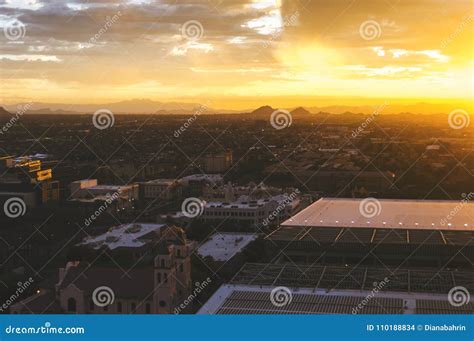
[
  {"x": 387, "y": 213},
  {"x": 223, "y": 246},
  {"x": 319, "y": 289},
  {"x": 253, "y": 299},
  {"x": 210, "y": 177},
  {"x": 375, "y": 236},
  {"x": 160, "y": 181},
  {"x": 333, "y": 277},
  {"x": 127, "y": 236},
  {"x": 245, "y": 202}
]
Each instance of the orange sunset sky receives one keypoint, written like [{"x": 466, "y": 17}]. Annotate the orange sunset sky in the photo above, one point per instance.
[{"x": 238, "y": 54}]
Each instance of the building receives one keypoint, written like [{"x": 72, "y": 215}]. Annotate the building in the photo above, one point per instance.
[
  {"x": 230, "y": 192},
  {"x": 157, "y": 286},
  {"x": 164, "y": 189},
  {"x": 27, "y": 178},
  {"x": 125, "y": 236},
  {"x": 424, "y": 233},
  {"x": 314, "y": 289},
  {"x": 89, "y": 189},
  {"x": 223, "y": 246},
  {"x": 91, "y": 197},
  {"x": 193, "y": 185},
  {"x": 218, "y": 162},
  {"x": 360, "y": 256},
  {"x": 262, "y": 212}
]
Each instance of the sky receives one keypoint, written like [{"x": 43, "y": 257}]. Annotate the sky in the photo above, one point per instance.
[{"x": 237, "y": 54}]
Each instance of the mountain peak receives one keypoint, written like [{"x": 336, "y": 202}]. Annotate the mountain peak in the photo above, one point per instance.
[
  {"x": 3, "y": 112},
  {"x": 264, "y": 110},
  {"x": 300, "y": 111}
]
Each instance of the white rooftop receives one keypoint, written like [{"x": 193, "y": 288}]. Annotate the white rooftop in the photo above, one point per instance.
[
  {"x": 127, "y": 235},
  {"x": 219, "y": 298},
  {"x": 108, "y": 187},
  {"x": 198, "y": 177},
  {"x": 161, "y": 181},
  {"x": 223, "y": 246},
  {"x": 387, "y": 213},
  {"x": 246, "y": 202}
]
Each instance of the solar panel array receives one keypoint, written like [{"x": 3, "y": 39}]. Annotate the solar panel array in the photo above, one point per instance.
[
  {"x": 329, "y": 235},
  {"x": 358, "y": 278},
  {"x": 442, "y": 307},
  {"x": 251, "y": 302}
]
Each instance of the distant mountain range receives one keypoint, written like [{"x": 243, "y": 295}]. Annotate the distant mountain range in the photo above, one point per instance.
[
  {"x": 136, "y": 106},
  {"x": 3, "y": 112},
  {"x": 146, "y": 106}
]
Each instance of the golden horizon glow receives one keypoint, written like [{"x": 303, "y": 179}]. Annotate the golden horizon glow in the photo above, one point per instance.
[{"x": 248, "y": 53}]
